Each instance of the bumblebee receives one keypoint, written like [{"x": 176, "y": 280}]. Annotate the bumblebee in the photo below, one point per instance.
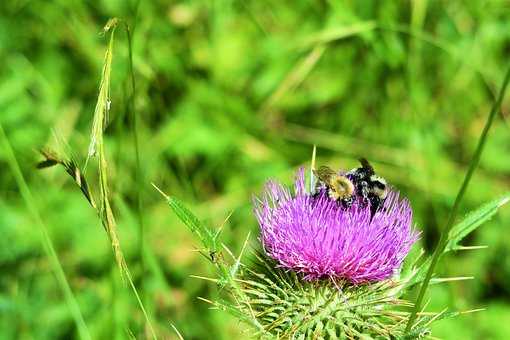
[
  {"x": 368, "y": 185},
  {"x": 339, "y": 187}
]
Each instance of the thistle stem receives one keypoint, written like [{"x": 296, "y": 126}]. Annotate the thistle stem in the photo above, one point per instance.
[{"x": 443, "y": 240}]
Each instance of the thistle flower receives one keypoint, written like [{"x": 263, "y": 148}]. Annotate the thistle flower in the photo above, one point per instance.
[{"x": 318, "y": 237}]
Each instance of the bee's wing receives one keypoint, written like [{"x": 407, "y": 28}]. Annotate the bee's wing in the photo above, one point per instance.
[{"x": 325, "y": 173}]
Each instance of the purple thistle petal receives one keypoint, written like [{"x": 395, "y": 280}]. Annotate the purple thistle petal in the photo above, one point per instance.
[{"x": 318, "y": 237}]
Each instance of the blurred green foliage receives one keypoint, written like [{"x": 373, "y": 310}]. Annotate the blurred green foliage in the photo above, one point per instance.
[{"x": 230, "y": 93}]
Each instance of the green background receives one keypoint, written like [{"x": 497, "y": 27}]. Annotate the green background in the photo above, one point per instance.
[{"x": 230, "y": 93}]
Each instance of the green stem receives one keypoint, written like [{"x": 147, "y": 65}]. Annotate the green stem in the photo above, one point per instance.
[
  {"x": 105, "y": 211},
  {"x": 138, "y": 171},
  {"x": 443, "y": 240},
  {"x": 46, "y": 240}
]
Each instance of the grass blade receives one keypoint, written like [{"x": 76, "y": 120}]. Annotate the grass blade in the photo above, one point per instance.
[
  {"x": 46, "y": 240},
  {"x": 103, "y": 100},
  {"x": 443, "y": 240},
  {"x": 337, "y": 33},
  {"x": 138, "y": 168},
  {"x": 97, "y": 147}
]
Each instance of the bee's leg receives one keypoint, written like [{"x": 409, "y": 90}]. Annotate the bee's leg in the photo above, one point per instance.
[
  {"x": 373, "y": 210},
  {"x": 319, "y": 187},
  {"x": 347, "y": 202},
  {"x": 375, "y": 204},
  {"x": 364, "y": 189}
]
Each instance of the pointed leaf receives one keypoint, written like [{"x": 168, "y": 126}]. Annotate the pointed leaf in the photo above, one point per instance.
[
  {"x": 473, "y": 220},
  {"x": 192, "y": 222}
]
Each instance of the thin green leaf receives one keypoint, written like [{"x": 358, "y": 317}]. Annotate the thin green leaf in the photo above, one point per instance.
[
  {"x": 341, "y": 32},
  {"x": 458, "y": 232},
  {"x": 444, "y": 239},
  {"x": 205, "y": 234},
  {"x": 473, "y": 220},
  {"x": 47, "y": 242}
]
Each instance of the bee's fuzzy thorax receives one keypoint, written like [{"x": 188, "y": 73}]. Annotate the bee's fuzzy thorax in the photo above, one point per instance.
[{"x": 341, "y": 187}]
